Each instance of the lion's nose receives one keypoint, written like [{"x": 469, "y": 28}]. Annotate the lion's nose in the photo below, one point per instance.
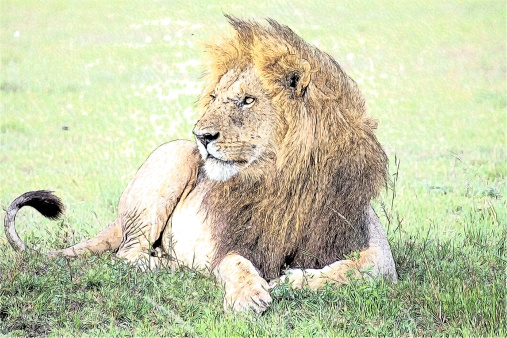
[{"x": 206, "y": 138}]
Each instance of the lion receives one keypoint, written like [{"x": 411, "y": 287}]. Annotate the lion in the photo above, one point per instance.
[{"x": 276, "y": 188}]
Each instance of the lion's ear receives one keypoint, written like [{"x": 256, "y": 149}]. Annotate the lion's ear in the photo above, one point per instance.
[
  {"x": 305, "y": 78},
  {"x": 298, "y": 79}
]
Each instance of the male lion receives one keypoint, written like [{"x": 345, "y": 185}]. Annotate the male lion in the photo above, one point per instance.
[{"x": 281, "y": 177}]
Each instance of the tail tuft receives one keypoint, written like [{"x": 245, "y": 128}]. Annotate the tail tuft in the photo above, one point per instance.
[{"x": 43, "y": 201}]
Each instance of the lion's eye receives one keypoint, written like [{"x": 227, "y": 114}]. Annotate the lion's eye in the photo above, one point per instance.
[{"x": 248, "y": 100}]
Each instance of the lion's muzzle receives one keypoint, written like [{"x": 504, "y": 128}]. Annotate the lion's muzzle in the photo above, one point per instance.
[{"x": 206, "y": 137}]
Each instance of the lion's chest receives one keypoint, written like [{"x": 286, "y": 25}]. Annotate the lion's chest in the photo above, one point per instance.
[{"x": 187, "y": 237}]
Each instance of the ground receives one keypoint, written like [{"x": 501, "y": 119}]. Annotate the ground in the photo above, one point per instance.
[{"x": 89, "y": 89}]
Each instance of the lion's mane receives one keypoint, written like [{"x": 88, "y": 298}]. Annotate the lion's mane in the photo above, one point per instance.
[{"x": 307, "y": 209}]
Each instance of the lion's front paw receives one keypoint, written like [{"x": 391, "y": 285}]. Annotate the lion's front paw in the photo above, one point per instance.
[
  {"x": 253, "y": 296},
  {"x": 337, "y": 273}
]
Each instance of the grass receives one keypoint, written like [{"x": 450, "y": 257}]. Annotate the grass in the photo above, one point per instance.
[{"x": 89, "y": 89}]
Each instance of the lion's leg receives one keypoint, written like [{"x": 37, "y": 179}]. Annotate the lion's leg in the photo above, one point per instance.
[
  {"x": 245, "y": 289},
  {"x": 137, "y": 248},
  {"x": 374, "y": 262},
  {"x": 146, "y": 206}
]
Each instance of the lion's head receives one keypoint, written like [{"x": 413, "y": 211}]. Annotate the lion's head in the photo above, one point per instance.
[
  {"x": 237, "y": 129},
  {"x": 293, "y": 158}
]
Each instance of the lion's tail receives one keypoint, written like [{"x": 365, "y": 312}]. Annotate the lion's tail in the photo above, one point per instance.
[{"x": 51, "y": 207}]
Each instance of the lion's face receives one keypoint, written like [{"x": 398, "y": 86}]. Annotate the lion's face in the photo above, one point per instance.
[{"x": 237, "y": 125}]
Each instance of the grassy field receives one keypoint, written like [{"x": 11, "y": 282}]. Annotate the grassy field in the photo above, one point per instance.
[{"x": 89, "y": 88}]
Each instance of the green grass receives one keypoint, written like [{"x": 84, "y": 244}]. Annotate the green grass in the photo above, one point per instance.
[{"x": 123, "y": 78}]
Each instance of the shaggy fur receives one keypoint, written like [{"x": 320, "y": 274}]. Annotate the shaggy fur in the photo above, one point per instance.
[{"x": 308, "y": 208}]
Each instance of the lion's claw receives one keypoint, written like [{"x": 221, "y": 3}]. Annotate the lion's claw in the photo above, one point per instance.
[{"x": 249, "y": 298}]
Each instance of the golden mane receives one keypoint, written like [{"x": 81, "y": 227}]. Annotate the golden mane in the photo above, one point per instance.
[{"x": 308, "y": 207}]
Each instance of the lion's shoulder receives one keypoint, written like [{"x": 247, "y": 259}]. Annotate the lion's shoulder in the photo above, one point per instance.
[
  {"x": 168, "y": 171},
  {"x": 178, "y": 150}
]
